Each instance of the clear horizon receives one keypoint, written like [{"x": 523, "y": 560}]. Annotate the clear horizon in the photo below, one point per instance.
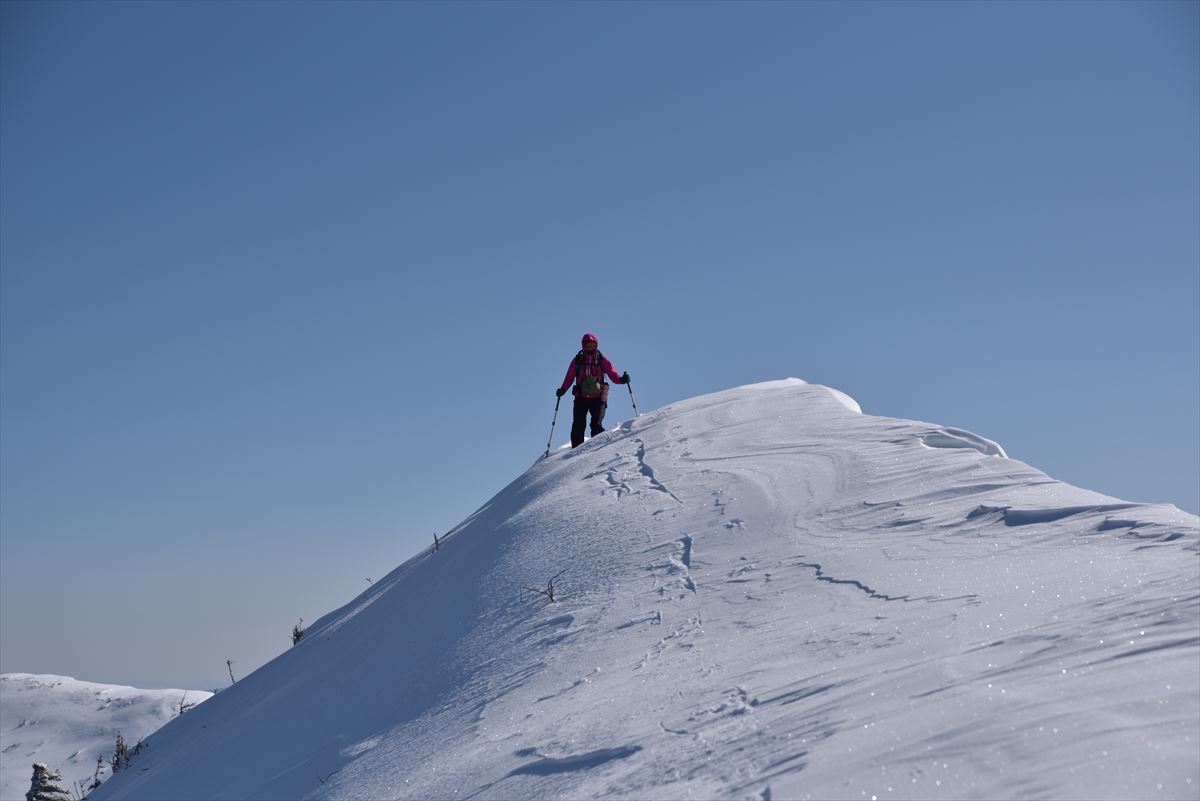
[{"x": 287, "y": 288}]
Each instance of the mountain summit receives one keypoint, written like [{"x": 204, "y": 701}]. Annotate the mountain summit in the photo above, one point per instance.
[{"x": 759, "y": 593}]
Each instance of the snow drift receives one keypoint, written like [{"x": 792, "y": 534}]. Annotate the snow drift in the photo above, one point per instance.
[{"x": 760, "y": 593}]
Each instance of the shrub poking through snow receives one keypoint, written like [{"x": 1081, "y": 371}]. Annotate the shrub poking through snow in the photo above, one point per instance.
[
  {"x": 44, "y": 785},
  {"x": 298, "y": 631},
  {"x": 549, "y": 591}
]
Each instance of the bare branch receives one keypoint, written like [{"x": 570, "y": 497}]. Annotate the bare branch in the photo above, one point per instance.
[{"x": 550, "y": 590}]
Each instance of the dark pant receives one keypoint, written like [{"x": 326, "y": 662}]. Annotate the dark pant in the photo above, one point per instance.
[{"x": 584, "y": 407}]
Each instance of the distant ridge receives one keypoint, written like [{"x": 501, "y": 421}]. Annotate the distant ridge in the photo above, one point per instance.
[{"x": 66, "y": 724}]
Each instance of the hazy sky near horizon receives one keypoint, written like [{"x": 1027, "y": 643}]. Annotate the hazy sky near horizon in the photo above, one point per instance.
[{"x": 286, "y": 287}]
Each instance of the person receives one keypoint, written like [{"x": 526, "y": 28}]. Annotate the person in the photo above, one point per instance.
[{"x": 587, "y": 370}]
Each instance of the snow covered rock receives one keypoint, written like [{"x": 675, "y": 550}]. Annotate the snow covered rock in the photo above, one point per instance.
[
  {"x": 66, "y": 724},
  {"x": 760, "y": 593}
]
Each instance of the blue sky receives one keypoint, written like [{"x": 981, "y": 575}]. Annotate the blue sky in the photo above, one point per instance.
[{"x": 285, "y": 288}]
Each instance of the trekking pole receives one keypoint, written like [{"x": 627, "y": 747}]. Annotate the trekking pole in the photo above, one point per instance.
[
  {"x": 552, "y": 422},
  {"x": 629, "y": 386}
]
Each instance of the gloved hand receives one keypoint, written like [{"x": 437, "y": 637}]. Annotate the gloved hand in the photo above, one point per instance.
[
  {"x": 625, "y": 377},
  {"x": 558, "y": 393}
]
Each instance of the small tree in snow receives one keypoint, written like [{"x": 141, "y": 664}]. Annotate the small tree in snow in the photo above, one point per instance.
[
  {"x": 96, "y": 776},
  {"x": 120, "y": 757},
  {"x": 44, "y": 785},
  {"x": 297, "y": 631}
]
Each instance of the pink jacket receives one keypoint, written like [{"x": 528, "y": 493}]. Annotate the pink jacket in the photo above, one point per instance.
[{"x": 591, "y": 366}]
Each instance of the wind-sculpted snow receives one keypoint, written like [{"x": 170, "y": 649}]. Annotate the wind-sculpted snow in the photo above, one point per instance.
[
  {"x": 763, "y": 594},
  {"x": 957, "y": 438}
]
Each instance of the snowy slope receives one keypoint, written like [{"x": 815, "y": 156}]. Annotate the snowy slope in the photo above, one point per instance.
[
  {"x": 763, "y": 594},
  {"x": 66, "y": 724}
]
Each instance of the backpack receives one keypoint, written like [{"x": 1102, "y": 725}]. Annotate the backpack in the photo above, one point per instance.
[{"x": 591, "y": 386}]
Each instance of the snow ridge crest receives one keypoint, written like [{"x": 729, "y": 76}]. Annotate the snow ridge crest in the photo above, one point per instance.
[{"x": 760, "y": 592}]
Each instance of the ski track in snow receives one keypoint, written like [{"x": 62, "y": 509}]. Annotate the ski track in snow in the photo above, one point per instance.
[{"x": 829, "y": 605}]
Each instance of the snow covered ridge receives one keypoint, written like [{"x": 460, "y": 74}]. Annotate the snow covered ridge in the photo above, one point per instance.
[
  {"x": 760, "y": 593},
  {"x": 66, "y": 724}
]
